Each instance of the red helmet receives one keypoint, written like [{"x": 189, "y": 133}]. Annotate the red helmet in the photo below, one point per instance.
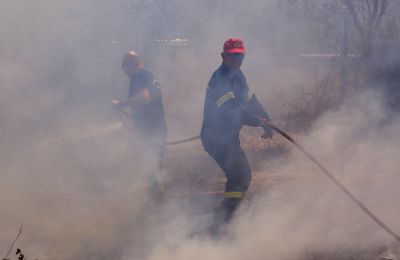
[{"x": 234, "y": 45}]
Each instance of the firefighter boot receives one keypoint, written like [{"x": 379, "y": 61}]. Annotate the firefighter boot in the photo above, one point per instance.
[{"x": 223, "y": 214}]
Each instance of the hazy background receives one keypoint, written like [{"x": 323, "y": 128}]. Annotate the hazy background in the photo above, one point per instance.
[{"x": 64, "y": 167}]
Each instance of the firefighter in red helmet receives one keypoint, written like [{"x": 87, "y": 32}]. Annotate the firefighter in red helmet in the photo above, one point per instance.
[{"x": 229, "y": 105}]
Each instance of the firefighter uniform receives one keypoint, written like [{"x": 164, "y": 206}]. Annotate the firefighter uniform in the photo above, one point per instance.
[
  {"x": 146, "y": 147},
  {"x": 229, "y": 105},
  {"x": 149, "y": 123},
  {"x": 148, "y": 119}
]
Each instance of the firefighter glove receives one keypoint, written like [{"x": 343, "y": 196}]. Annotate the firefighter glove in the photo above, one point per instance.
[
  {"x": 267, "y": 130},
  {"x": 267, "y": 133}
]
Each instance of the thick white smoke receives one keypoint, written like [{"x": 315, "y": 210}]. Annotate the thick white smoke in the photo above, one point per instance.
[{"x": 65, "y": 168}]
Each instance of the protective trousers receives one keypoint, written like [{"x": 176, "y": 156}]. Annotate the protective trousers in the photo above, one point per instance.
[
  {"x": 233, "y": 162},
  {"x": 146, "y": 158}
]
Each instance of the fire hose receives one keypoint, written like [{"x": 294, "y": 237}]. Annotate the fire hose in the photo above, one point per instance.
[
  {"x": 338, "y": 183},
  {"x": 361, "y": 205},
  {"x": 126, "y": 125}
]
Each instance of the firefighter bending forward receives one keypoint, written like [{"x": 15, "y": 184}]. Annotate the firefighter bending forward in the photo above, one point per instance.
[
  {"x": 147, "y": 111},
  {"x": 229, "y": 105}
]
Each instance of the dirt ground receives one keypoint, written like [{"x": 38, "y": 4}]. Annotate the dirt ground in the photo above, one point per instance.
[
  {"x": 192, "y": 170},
  {"x": 196, "y": 178}
]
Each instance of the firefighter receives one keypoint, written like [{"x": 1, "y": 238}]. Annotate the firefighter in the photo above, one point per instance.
[
  {"x": 229, "y": 105},
  {"x": 147, "y": 111}
]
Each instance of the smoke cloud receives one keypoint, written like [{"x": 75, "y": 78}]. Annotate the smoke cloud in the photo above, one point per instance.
[{"x": 68, "y": 174}]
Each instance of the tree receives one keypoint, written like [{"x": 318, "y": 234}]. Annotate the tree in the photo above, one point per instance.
[{"x": 367, "y": 16}]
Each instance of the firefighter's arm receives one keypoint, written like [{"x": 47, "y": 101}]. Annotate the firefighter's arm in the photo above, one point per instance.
[
  {"x": 141, "y": 98},
  {"x": 254, "y": 108}
]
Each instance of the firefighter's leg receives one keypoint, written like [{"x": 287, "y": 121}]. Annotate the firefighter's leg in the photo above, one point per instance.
[
  {"x": 238, "y": 174},
  {"x": 158, "y": 175},
  {"x": 158, "y": 178}
]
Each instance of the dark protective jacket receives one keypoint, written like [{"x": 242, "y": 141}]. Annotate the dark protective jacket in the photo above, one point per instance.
[
  {"x": 229, "y": 104},
  {"x": 148, "y": 119}
]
